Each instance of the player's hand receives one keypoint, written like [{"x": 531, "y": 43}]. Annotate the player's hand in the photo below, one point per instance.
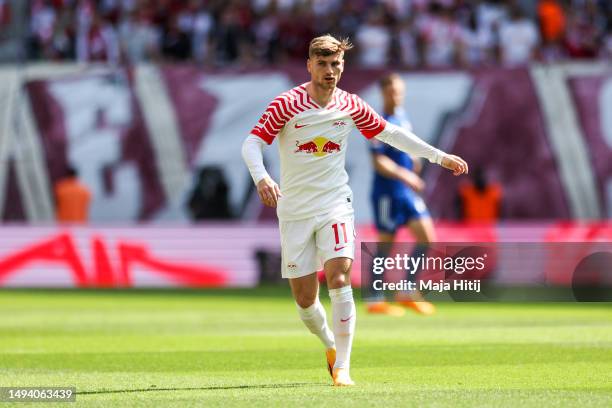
[
  {"x": 455, "y": 163},
  {"x": 268, "y": 191},
  {"x": 413, "y": 181}
]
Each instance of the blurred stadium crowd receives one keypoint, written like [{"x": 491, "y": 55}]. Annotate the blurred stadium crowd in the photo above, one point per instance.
[{"x": 402, "y": 33}]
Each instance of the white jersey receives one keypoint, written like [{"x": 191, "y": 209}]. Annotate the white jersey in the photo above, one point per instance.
[{"x": 312, "y": 142}]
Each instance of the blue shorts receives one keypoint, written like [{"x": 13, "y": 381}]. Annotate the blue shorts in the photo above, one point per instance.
[{"x": 391, "y": 212}]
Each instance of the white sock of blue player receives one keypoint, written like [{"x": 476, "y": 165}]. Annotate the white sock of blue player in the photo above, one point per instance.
[
  {"x": 315, "y": 319},
  {"x": 343, "y": 323}
]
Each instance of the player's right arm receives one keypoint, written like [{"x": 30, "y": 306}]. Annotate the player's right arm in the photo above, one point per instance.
[
  {"x": 267, "y": 128},
  {"x": 252, "y": 154}
]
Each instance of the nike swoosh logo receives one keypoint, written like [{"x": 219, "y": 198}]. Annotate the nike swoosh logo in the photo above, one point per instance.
[
  {"x": 347, "y": 319},
  {"x": 300, "y": 126},
  {"x": 337, "y": 249}
]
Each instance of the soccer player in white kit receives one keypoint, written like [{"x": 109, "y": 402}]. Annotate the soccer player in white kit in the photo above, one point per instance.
[{"x": 312, "y": 122}]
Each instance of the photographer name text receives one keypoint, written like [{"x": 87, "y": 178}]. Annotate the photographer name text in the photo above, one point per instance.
[{"x": 428, "y": 285}]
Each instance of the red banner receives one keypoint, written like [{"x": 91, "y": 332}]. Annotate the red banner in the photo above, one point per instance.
[{"x": 221, "y": 254}]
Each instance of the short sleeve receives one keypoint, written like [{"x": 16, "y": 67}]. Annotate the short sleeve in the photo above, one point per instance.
[
  {"x": 366, "y": 119},
  {"x": 272, "y": 121}
]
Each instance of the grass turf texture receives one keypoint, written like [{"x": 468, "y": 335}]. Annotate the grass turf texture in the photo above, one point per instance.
[{"x": 248, "y": 348}]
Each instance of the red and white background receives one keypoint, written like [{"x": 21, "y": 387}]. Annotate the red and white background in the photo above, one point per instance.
[
  {"x": 138, "y": 135},
  {"x": 225, "y": 254}
]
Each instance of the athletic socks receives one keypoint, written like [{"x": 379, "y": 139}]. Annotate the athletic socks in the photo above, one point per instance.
[
  {"x": 343, "y": 323},
  {"x": 314, "y": 318}
]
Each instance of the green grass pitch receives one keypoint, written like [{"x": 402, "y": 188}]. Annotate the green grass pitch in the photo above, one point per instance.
[{"x": 248, "y": 348}]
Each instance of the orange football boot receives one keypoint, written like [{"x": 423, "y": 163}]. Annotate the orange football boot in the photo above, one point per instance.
[
  {"x": 384, "y": 307},
  {"x": 342, "y": 378},
  {"x": 330, "y": 355},
  {"x": 416, "y": 302}
]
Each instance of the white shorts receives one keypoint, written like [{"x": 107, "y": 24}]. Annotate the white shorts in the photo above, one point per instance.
[{"x": 307, "y": 244}]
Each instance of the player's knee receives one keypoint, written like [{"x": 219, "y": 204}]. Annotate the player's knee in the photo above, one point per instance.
[
  {"x": 305, "y": 300},
  {"x": 338, "y": 280}
]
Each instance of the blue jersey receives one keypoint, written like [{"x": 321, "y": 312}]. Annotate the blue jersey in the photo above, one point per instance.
[
  {"x": 384, "y": 185},
  {"x": 393, "y": 202}
]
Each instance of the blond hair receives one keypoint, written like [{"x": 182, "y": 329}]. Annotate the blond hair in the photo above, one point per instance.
[{"x": 327, "y": 45}]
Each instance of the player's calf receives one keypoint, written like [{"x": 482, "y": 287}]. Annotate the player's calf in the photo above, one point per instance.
[
  {"x": 315, "y": 320},
  {"x": 343, "y": 323}
]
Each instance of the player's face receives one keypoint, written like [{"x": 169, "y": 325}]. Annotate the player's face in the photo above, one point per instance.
[
  {"x": 325, "y": 72},
  {"x": 393, "y": 93}
]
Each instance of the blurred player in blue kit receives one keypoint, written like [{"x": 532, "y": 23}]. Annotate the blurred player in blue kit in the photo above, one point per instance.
[{"x": 396, "y": 200}]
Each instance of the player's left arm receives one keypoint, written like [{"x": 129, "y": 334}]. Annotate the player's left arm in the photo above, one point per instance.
[
  {"x": 371, "y": 124},
  {"x": 410, "y": 143}
]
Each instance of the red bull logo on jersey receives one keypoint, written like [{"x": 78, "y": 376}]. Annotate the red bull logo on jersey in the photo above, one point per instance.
[{"x": 319, "y": 146}]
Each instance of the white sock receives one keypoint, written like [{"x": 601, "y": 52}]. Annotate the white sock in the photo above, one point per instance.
[
  {"x": 315, "y": 319},
  {"x": 343, "y": 318}
]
